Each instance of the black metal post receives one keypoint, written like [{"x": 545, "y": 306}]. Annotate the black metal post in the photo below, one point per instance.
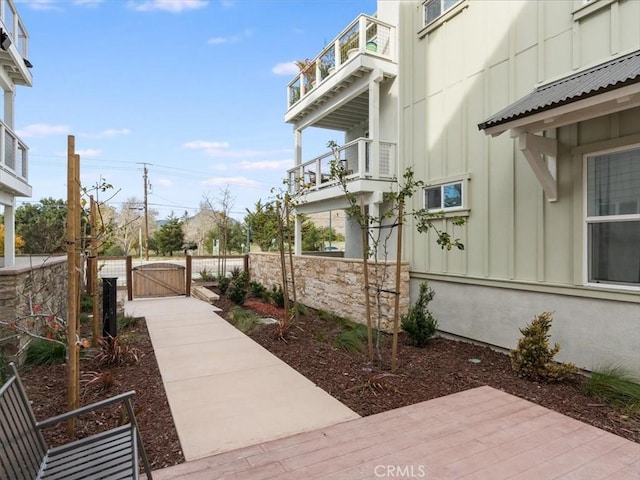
[{"x": 109, "y": 307}]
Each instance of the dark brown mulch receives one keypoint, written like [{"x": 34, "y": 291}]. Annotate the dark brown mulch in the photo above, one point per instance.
[
  {"x": 444, "y": 367},
  {"x": 47, "y": 389}
]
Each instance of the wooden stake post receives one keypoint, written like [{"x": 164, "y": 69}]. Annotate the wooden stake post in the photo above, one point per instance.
[
  {"x": 73, "y": 264},
  {"x": 93, "y": 268}
]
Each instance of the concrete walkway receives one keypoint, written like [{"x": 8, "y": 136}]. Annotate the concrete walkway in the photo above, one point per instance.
[{"x": 226, "y": 391}]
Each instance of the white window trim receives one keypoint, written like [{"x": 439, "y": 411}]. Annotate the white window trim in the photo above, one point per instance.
[
  {"x": 463, "y": 209},
  {"x": 587, "y": 220},
  {"x": 436, "y": 22}
]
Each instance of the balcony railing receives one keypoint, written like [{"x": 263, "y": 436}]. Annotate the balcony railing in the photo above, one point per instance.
[
  {"x": 13, "y": 26},
  {"x": 365, "y": 34},
  {"x": 355, "y": 157},
  {"x": 13, "y": 154}
]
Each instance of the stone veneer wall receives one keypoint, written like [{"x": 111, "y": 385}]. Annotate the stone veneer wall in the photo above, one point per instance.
[
  {"x": 333, "y": 284},
  {"x": 33, "y": 280}
]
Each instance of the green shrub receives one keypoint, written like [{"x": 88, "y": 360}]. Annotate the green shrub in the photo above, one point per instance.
[
  {"x": 237, "y": 291},
  {"x": 353, "y": 340},
  {"x": 533, "y": 357},
  {"x": 86, "y": 303},
  {"x": 243, "y": 320},
  {"x": 277, "y": 296},
  {"x": 616, "y": 386},
  {"x": 84, "y": 318},
  {"x": 223, "y": 283},
  {"x": 257, "y": 290},
  {"x": 44, "y": 352},
  {"x": 127, "y": 321},
  {"x": 206, "y": 275},
  {"x": 418, "y": 323}
]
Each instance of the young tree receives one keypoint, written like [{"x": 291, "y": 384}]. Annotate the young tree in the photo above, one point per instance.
[
  {"x": 42, "y": 225},
  {"x": 263, "y": 224},
  {"x": 170, "y": 237}
]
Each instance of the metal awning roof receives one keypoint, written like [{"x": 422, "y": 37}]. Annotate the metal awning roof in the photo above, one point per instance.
[{"x": 611, "y": 75}]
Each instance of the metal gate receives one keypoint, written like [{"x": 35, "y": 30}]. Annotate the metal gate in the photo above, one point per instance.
[{"x": 159, "y": 280}]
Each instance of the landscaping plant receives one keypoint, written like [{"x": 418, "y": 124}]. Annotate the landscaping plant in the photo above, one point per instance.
[
  {"x": 237, "y": 290},
  {"x": 533, "y": 357},
  {"x": 418, "y": 323},
  {"x": 616, "y": 386}
]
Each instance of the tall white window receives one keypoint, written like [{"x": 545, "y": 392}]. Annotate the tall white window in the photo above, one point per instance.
[
  {"x": 435, "y": 8},
  {"x": 613, "y": 217}
]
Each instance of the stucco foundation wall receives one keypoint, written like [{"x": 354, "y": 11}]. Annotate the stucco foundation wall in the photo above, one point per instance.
[
  {"x": 334, "y": 285},
  {"x": 591, "y": 332},
  {"x": 43, "y": 282}
]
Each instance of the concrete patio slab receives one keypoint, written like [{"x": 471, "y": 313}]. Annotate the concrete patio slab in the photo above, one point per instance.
[
  {"x": 477, "y": 434},
  {"x": 226, "y": 391}
]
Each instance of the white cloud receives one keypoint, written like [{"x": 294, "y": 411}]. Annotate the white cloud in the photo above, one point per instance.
[
  {"x": 89, "y": 153},
  {"x": 173, "y": 6},
  {"x": 88, "y": 3},
  {"x": 227, "y": 3},
  {"x": 42, "y": 130},
  {"x": 163, "y": 182},
  {"x": 42, "y": 5},
  {"x": 204, "y": 145},
  {"x": 230, "y": 39},
  {"x": 289, "y": 68},
  {"x": 222, "y": 181},
  {"x": 278, "y": 165},
  {"x": 108, "y": 133}
]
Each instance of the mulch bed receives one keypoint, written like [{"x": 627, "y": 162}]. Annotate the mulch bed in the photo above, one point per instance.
[{"x": 442, "y": 368}]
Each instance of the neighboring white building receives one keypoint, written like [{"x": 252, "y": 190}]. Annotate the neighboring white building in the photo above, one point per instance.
[
  {"x": 521, "y": 116},
  {"x": 14, "y": 71}
]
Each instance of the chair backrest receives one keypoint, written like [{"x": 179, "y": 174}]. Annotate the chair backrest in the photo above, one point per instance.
[{"x": 23, "y": 447}]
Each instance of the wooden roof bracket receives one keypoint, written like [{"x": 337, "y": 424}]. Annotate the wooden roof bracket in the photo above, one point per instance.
[{"x": 535, "y": 148}]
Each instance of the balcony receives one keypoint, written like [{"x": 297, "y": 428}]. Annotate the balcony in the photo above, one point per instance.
[
  {"x": 364, "y": 170},
  {"x": 14, "y": 53},
  {"x": 13, "y": 163},
  {"x": 331, "y": 90}
]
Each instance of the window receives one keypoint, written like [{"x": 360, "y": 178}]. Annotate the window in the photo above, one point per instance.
[
  {"x": 435, "y": 8},
  {"x": 447, "y": 196},
  {"x": 613, "y": 217}
]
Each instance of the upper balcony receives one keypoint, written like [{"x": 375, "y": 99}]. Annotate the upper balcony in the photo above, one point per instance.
[
  {"x": 14, "y": 45},
  {"x": 13, "y": 163},
  {"x": 330, "y": 90}
]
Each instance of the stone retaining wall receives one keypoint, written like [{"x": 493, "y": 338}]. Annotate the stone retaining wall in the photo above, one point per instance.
[
  {"x": 32, "y": 281},
  {"x": 335, "y": 285}
]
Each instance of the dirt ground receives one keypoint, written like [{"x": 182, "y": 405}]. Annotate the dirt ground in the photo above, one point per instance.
[{"x": 443, "y": 367}]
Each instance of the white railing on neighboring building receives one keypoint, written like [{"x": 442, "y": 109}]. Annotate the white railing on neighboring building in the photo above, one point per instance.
[
  {"x": 13, "y": 153},
  {"x": 13, "y": 26},
  {"x": 354, "y": 157},
  {"x": 365, "y": 35}
]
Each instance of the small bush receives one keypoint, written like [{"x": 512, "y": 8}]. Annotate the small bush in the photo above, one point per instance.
[
  {"x": 352, "y": 340},
  {"x": 43, "y": 352},
  {"x": 206, "y": 275},
  {"x": 533, "y": 357},
  {"x": 223, "y": 283},
  {"x": 257, "y": 290},
  {"x": 114, "y": 352},
  {"x": 277, "y": 296},
  {"x": 243, "y": 320},
  {"x": 127, "y": 321},
  {"x": 418, "y": 323},
  {"x": 616, "y": 386},
  {"x": 237, "y": 291},
  {"x": 86, "y": 303}
]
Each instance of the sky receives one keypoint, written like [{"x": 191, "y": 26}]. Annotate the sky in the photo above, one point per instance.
[{"x": 196, "y": 89}]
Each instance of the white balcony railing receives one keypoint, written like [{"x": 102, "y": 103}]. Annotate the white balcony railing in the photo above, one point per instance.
[
  {"x": 365, "y": 35},
  {"x": 355, "y": 157},
  {"x": 13, "y": 26},
  {"x": 13, "y": 153}
]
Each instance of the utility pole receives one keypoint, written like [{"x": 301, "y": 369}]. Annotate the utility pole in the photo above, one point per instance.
[{"x": 146, "y": 213}]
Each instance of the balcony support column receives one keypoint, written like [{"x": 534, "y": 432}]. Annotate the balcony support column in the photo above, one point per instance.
[
  {"x": 9, "y": 115},
  {"x": 374, "y": 123},
  {"x": 9, "y": 234},
  {"x": 297, "y": 236}
]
